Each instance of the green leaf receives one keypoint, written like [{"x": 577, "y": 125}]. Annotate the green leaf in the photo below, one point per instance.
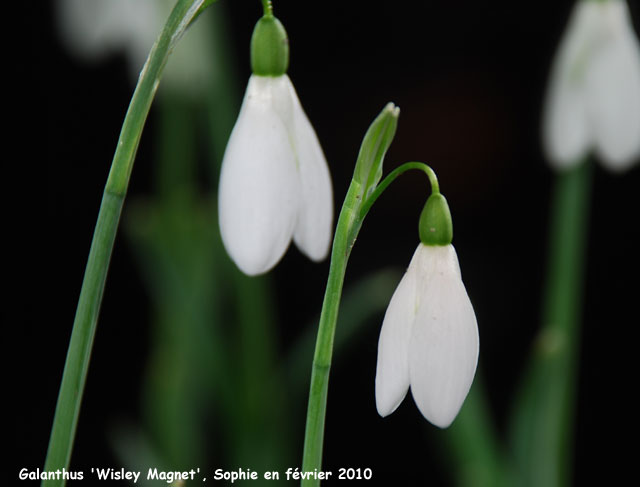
[
  {"x": 85, "y": 323},
  {"x": 542, "y": 421}
]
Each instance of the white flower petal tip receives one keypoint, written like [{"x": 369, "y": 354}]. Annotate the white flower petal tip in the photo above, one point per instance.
[
  {"x": 274, "y": 183},
  {"x": 593, "y": 99},
  {"x": 429, "y": 339},
  {"x": 392, "y": 371}
]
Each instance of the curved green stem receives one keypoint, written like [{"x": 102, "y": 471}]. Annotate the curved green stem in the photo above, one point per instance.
[
  {"x": 84, "y": 326},
  {"x": 421, "y": 166}
]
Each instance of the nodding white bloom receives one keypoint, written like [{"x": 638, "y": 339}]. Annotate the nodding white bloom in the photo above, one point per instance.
[
  {"x": 593, "y": 98},
  {"x": 275, "y": 183},
  {"x": 429, "y": 339}
]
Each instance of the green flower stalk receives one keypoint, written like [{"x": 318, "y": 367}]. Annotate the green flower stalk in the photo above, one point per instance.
[
  {"x": 376, "y": 142},
  {"x": 84, "y": 327},
  {"x": 542, "y": 421}
]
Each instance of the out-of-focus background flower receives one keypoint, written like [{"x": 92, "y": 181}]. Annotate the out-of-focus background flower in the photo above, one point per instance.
[{"x": 469, "y": 80}]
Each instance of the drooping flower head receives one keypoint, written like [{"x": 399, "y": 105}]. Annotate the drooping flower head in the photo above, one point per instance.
[
  {"x": 593, "y": 97},
  {"x": 429, "y": 339},
  {"x": 275, "y": 183}
]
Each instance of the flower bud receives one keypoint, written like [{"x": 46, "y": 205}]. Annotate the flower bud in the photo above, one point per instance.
[{"x": 374, "y": 146}]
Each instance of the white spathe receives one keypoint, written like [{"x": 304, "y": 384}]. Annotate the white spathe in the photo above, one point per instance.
[
  {"x": 274, "y": 183},
  {"x": 429, "y": 339},
  {"x": 593, "y": 97}
]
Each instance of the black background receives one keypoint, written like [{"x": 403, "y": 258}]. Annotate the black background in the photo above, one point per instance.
[{"x": 469, "y": 78}]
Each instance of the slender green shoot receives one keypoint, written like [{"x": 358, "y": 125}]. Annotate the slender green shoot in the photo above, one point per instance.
[
  {"x": 433, "y": 181},
  {"x": 84, "y": 326},
  {"x": 267, "y": 8},
  {"x": 316, "y": 412},
  {"x": 356, "y": 205}
]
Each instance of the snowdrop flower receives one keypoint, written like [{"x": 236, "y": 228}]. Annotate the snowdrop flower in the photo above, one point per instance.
[
  {"x": 429, "y": 338},
  {"x": 593, "y": 98},
  {"x": 274, "y": 182}
]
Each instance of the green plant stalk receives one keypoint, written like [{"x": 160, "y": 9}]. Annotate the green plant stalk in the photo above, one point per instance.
[
  {"x": 316, "y": 412},
  {"x": 84, "y": 326},
  {"x": 542, "y": 427},
  {"x": 353, "y": 212}
]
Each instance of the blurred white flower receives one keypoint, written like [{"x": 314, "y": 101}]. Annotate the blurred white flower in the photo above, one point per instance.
[
  {"x": 429, "y": 339},
  {"x": 274, "y": 182},
  {"x": 593, "y": 97},
  {"x": 94, "y": 29}
]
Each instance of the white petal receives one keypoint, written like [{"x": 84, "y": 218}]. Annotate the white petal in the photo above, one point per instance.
[
  {"x": 613, "y": 84},
  {"x": 313, "y": 229},
  {"x": 444, "y": 345},
  {"x": 258, "y": 195},
  {"x": 566, "y": 132},
  {"x": 392, "y": 371}
]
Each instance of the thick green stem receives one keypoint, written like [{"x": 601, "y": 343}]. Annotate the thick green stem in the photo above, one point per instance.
[
  {"x": 543, "y": 419},
  {"x": 84, "y": 326}
]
